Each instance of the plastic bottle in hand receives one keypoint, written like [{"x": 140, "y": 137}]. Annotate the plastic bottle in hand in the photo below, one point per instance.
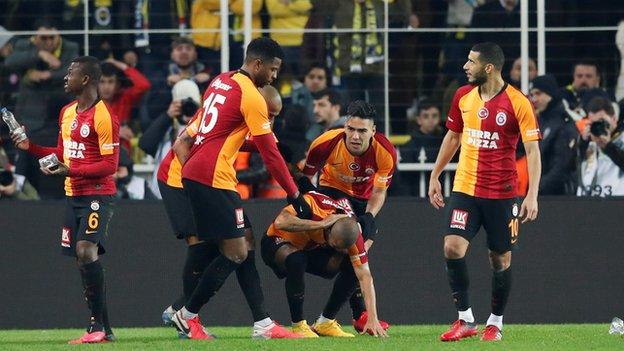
[{"x": 11, "y": 122}]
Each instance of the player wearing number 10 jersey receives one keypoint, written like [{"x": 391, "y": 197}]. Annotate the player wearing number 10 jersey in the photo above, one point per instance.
[
  {"x": 486, "y": 118},
  {"x": 233, "y": 108}
]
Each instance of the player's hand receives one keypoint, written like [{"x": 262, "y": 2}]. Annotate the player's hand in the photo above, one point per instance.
[
  {"x": 22, "y": 145},
  {"x": 375, "y": 329},
  {"x": 528, "y": 210},
  {"x": 301, "y": 206},
  {"x": 60, "y": 169},
  {"x": 331, "y": 219},
  {"x": 367, "y": 222},
  {"x": 435, "y": 193}
]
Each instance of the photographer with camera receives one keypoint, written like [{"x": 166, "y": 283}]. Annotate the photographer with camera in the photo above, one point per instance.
[
  {"x": 601, "y": 152},
  {"x": 160, "y": 135},
  {"x": 14, "y": 186}
]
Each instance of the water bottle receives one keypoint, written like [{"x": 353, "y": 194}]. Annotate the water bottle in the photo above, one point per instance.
[
  {"x": 14, "y": 127},
  {"x": 617, "y": 326}
]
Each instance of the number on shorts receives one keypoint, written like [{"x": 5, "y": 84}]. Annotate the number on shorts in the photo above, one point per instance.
[
  {"x": 513, "y": 229},
  {"x": 93, "y": 221}
]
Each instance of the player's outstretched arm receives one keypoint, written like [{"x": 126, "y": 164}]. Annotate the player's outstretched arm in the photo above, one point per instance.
[
  {"x": 365, "y": 278},
  {"x": 529, "y": 208},
  {"x": 449, "y": 147}
]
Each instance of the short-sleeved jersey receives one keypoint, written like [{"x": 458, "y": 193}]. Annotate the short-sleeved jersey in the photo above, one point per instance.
[
  {"x": 353, "y": 175},
  {"x": 170, "y": 168},
  {"x": 233, "y": 107},
  {"x": 87, "y": 137},
  {"x": 490, "y": 132},
  {"x": 322, "y": 206}
]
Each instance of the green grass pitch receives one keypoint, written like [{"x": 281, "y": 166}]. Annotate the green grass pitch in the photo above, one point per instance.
[{"x": 421, "y": 337}]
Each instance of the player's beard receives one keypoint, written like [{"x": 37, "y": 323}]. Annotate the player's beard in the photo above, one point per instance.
[{"x": 479, "y": 78}]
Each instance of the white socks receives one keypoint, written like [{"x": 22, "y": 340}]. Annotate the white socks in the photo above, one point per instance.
[
  {"x": 466, "y": 316},
  {"x": 264, "y": 323},
  {"x": 322, "y": 319},
  {"x": 496, "y": 321},
  {"x": 186, "y": 314}
]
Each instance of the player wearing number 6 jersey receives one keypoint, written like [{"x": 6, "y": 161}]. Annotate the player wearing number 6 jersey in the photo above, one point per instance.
[
  {"x": 88, "y": 147},
  {"x": 233, "y": 108},
  {"x": 486, "y": 119}
]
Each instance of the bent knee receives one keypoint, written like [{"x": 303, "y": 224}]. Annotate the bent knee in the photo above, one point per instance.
[
  {"x": 454, "y": 249},
  {"x": 237, "y": 256}
]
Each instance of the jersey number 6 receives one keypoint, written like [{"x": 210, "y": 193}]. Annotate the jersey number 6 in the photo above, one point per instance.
[{"x": 211, "y": 113}]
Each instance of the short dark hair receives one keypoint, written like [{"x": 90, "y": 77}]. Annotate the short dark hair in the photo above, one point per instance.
[
  {"x": 600, "y": 103},
  {"x": 296, "y": 118},
  {"x": 333, "y": 96},
  {"x": 45, "y": 22},
  {"x": 109, "y": 70},
  {"x": 181, "y": 41},
  {"x": 265, "y": 49},
  {"x": 317, "y": 65},
  {"x": 90, "y": 66},
  {"x": 587, "y": 62},
  {"x": 490, "y": 53},
  {"x": 346, "y": 231},
  {"x": 362, "y": 109},
  {"x": 426, "y": 104}
]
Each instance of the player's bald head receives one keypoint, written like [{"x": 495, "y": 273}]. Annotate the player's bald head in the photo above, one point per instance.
[
  {"x": 273, "y": 99},
  {"x": 344, "y": 233}
]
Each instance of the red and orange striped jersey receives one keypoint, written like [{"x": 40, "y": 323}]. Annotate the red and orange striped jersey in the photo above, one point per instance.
[
  {"x": 353, "y": 175},
  {"x": 490, "y": 132},
  {"x": 233, "y": 107},
  {"x": 87, "y": 138},
  {"x": 170, "y": 168},
  {"x": 322, "y": 206}
]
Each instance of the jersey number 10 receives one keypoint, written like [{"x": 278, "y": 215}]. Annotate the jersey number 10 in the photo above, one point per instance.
[{"x": 211, "y": 113}]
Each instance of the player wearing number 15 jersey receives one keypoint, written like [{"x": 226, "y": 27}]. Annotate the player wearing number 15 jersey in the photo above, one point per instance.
[
  {"x": 486, "y": 119},
  {"x": 233, "y": 108}
]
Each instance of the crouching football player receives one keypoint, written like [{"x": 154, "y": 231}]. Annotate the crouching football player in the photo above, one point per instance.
[{"x": 328, "y": 245}]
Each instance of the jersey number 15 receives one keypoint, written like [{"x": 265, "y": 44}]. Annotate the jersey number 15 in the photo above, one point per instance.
[{"x": 211, "y": 112}]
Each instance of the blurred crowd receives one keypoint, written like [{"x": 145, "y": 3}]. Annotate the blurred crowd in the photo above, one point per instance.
[{"x": 153, "y": 82}]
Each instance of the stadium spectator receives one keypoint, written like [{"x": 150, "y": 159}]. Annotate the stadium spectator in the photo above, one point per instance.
[
  {"x": 205, "y": 14},
  {"x": 327, "y": 105},
  {"x": 13, "y": 186},
  {"x": 559, "y": 138},
  {"x": 130, "y": 186},
  {"x": 158, "y": 138},
  {"x": 585, "y": 77},
  {"x": 292, "y": 247},
  {"x": 315, "y": 46},
  {"x": 424, "y": 143},
  {"x": 237, "y": 43},
  {"x": 316, "y": 78},
  {"x": 359, "y": 56},
  {"x": 122, "y": 87},
  {"x": 292, "y": 134},
  {"x": 601, "y": 150},
  {"x": 289, "y": 14},
  {"x": 9, "y": 81},
  {"x": 42, "y": 62},
  {"x": 515, "y": 73},
  {"x": 183, "y": 65}
]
